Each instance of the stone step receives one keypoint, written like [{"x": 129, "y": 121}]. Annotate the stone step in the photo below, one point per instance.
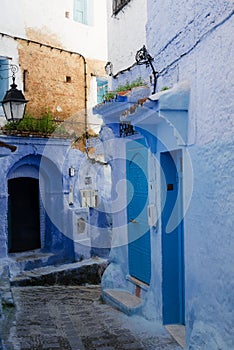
[
  {"x": 123, "y": 301},
  {"x": 20, "y": 262},
  {"x": 85, "y": 272}
]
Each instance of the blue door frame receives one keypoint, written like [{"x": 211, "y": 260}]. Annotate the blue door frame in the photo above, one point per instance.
[
  {"x": 172, "y": 239},
  {"x": 139, "y": 255}
]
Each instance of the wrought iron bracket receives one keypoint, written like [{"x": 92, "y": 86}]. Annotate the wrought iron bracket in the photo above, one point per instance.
[
  {"x": 143, "y": 57},
  {"x": 109, "y": 68}
]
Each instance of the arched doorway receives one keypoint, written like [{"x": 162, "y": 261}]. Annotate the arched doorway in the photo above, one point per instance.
[{"x": 23, "y": 214}]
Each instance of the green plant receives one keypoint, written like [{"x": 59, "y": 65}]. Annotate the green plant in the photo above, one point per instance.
[
  {"x": 9, "y": 126},
  {"x": 45, "y": 124},
  {"x": 27, "y": 124},
  {"x": 128, "y": 86},
  {"x": 164, "y": 88},
  {"x": 109, "y": 95}
]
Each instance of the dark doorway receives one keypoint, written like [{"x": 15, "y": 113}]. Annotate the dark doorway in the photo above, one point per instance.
[{"x": 23, "y": 215}]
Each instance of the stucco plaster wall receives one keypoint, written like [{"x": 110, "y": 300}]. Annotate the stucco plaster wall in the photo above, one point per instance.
[
  {"x": 126, "y": 33},
  {"x": 182, "y": 51},
  {"x": 193, "y": 41},
  {"x": 46, "y": 19}
]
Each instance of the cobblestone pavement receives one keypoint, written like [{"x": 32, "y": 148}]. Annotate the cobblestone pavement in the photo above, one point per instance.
[{"x": 75, "y": 318}]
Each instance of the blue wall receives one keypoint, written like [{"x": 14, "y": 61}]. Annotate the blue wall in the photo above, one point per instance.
[
  {"x": 181, "y": 36},
  {"x": 210, "y": 246},
  {"x": 30, "y": 160}
]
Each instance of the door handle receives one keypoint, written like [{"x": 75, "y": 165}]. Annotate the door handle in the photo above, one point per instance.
[{"x": 133, "y": 221}]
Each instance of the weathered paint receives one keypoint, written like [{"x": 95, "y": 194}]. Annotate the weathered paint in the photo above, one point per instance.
[
  {"x": 49, "y": 160},
  {"x": 181, "y": 37},
  {"x": 182, "y": 51}
]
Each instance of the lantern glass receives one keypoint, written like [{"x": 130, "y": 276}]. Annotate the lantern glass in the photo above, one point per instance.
[
  {"x": 14, "y": 103},
  {"x": 14, "y": 110}
]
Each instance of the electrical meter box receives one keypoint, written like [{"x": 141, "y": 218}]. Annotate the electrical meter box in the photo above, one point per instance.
[{"x": 89, "y": 198}]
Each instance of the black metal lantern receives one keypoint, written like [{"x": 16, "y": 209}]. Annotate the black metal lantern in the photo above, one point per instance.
[{"x": 14, "y": 103}]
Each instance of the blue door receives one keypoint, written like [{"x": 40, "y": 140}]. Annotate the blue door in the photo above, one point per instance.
[
  {"x": 172, "y": 239},
  {"x": 137, "y": 195}
]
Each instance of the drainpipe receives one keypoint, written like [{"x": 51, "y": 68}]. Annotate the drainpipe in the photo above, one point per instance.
[{"x": 85, "y": 97}]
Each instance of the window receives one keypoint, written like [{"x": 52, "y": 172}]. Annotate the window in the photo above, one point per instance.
[
  {"x": 118, "y": 5},
  {"x": 68, "y": 79},
  {"x": 102, "y": 88},
  {"x": 4, "y": 73},
  {"x": 82, "y": 11},
  {"x": 25, "y": 79}
]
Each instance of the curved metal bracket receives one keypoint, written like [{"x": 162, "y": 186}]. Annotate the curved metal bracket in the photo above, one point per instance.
[
  {"x": 109, "y": 68},
  {"x": 143, "y": 57}
]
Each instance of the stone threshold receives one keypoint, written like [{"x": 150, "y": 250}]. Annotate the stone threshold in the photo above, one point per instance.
[
  {"x": 178, "y": 332},
  {"x": 122, "y": 300}
]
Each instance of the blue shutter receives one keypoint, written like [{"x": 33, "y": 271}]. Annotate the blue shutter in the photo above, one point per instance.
[
  {"x": 80, "y": 11},
  {"x": 4, "y": 72},
  {"x": 102, "y": 87}
]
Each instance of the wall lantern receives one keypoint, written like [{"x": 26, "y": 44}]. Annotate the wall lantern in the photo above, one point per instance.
[{"x": 14, "y": 102}]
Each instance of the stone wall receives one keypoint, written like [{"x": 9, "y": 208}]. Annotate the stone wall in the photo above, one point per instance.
[{"x": 55, "y": 80}]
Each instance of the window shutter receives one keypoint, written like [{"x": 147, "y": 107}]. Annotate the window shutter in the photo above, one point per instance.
[
  {"x": 80, "y": 11},
  {"x": 102, "y": 88},
  {"x": 3, "y": 77}
]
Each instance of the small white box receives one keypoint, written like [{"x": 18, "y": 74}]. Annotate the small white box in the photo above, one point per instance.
[
  {"x": 152, "y": 215},
  {"x": 89, "y": 198}
]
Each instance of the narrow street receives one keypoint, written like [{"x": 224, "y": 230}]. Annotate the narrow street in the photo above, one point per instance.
[{"x": 75, "y": 318}]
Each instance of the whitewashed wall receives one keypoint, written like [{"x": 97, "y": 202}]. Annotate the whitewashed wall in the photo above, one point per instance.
[
  {"x": 193, "y": 41},
  {"x": 126, "y": 33},
  {"x": 19, "y": 17}
]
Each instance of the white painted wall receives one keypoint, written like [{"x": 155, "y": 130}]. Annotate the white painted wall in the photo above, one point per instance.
[
  {"x": 45, "y": 21},
  {"x": 16, "y": 16},
  {"x": 126, "y": 33}
]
